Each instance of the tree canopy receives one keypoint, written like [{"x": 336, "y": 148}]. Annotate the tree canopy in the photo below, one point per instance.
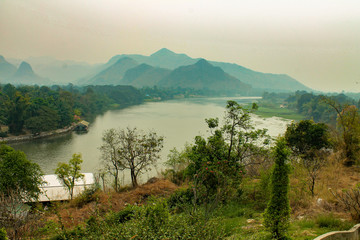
[
  {"x": 18, "y": 174},
  {"x": 70, "y": 173},
  {"x": 131, "y": 149}
]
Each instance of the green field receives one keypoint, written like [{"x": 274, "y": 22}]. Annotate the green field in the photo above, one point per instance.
[{"x": 276, "y": 111}]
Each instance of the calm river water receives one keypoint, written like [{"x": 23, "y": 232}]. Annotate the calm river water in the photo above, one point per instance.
[{"x": 179, "y": 121}]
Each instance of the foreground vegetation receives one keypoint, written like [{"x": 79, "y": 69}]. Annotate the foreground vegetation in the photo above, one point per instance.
[{"x": 237, "y": 183}]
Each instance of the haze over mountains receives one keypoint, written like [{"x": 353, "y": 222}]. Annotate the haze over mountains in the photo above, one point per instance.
[
  {"x": 163, "y": 68},
  {"x": 24, "y": 74}
]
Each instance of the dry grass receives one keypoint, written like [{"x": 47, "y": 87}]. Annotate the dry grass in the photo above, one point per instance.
[
  {"x": 334, "y": 176},
  {"x": 72, "y": 216}
]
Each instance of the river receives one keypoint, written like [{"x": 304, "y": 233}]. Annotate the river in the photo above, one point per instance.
[{"x": 179, "y": 121}]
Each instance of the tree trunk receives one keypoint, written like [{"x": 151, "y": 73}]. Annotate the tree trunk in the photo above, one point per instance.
[
  {"x": 133, "y": 178},
  {"x": 116, "y": 181}
]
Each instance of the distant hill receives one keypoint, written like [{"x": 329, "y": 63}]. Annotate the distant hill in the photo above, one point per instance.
[
  {"x": 62, "y": 71},
  {"x": 144, "y": 75},
  {"x": 6, "y": 69},
  {"x": 167, "y": 59},
  {"x": 265, "y": 81},
  {"x": 113, "y": 74},
  {"x": 203, "y": 76},
  {"x": 25, "y": 75},
  {"x": 164, "y": 58},
  {"x": 262, "y": 81}
]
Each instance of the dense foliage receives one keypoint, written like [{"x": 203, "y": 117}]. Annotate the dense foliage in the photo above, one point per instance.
[
  {"x": 217, "y": 164},
  {"x": 314, "y": 107},
  {"x": 306, "y": 136},
  {"x": 43, "y": 108},
  {"x": 152, "y": 221},
  {"x": 18, "y": 174}
]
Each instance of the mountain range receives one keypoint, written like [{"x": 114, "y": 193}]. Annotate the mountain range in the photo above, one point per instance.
[
  {"x": 164, "y": 58},
  {"x": 163, "y": 68}
]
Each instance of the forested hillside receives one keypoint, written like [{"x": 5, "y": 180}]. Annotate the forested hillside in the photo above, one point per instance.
[{"x": 43, "y": 108}]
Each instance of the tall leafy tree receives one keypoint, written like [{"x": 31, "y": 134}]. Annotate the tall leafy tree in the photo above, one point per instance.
[
  {"x": 18, "y": 174},
  {"x": 70, "y": 173},
  {"x": 138, "y": 151},
  {"x": 277, "y": 213},
  {"x": 309, "y": 141},
  {"x": 134, "y": 150},
  {"x": 306, "y": 136},
  {"x": 348, "y": 124},
  {"x": 217, "y": 163},
  {"x": 110, "y": 155}
]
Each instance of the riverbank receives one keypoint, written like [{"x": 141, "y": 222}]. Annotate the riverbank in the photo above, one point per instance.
[{"x": 30, "y": 137}]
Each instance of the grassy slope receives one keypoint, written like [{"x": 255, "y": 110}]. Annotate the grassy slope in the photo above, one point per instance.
[
  {"x": 268, "y": 111},
  {"x": 272, "y": 109}
]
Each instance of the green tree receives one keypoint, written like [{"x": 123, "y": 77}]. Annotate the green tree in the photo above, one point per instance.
[
  {"x": 70, "y": 173},
  {"x": 110, "y": 155},
  {"x": 18, "y": 174},
  {"x": 46, "y": 119},
  {"x": 17, "y": 109},
  {"x": 138, "y": 151},
  {"x": 349, "y": 119},
  {"x": 348, "y": 123},
  {"x": 217, "y": 163},
  {"x": 309, "y": 141},
  {"x": 277, "y": 213}
]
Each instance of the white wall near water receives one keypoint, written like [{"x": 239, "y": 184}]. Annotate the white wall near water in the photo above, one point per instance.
[{"x": 53, "y": 190}]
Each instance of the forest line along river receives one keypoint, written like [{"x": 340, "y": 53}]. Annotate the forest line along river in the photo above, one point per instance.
[{"x": 179, "y": 121}]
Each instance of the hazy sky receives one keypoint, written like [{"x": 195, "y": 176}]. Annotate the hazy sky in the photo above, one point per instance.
[{"x": 315, "y": 41}]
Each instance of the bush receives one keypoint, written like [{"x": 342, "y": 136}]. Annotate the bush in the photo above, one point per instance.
[
  {"x": 180, "y": 199},
  {"x": 328, "y": 221},
  {"x": 350, "y": 199},
  {"x": 122, "y": 216},
  {"x": 88, "y": 195},
  {"x": 3, "y": 234},
  {"x": 257, "y": 191},
  {"x": 180, "y": 226},
  {"x": 177, "y": 177}
]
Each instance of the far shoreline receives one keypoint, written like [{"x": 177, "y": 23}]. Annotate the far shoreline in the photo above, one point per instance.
[{"x": 30, "y": 137}]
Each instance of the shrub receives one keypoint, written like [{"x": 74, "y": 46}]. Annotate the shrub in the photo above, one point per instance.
[
  {"x": 3, "y": 234},
  {"x": 328, "y": 221},
  {"x": 350, "y": 199},
  {"x": 88, "y": 195},
  {"x": 122, "y": 216},
  {"x": 180, "y": 199}
]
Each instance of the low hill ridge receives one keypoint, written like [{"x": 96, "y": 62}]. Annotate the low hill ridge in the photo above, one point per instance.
[
  {"x": 114, "y": 73},
  {"x": 203, "y": 75}
]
